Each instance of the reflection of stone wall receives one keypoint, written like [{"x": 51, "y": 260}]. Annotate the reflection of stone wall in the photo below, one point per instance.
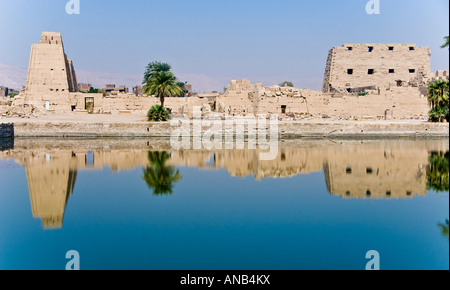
[
  {"x": 289, "y": 162},
  {"x": 377, "y": 171},
  {"x": 353, "y": 169}
]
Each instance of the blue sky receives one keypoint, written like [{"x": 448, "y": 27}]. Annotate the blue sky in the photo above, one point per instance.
[{"x": 209, "y": 42}]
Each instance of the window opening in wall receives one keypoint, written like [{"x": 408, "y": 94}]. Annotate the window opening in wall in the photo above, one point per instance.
[
  {"x": 391, "y": 48},
  {"x": 411, "y": 48},
  {"x": 370, "y": 49},
  {"x": 391, "y": 71},
  {"x": 371, "y": 71},
  {"x": 283, "y": 109},
  {"x": 411, "y": 71},
  {"x": 348, "y": 170},
  {"x": 349, "y": 48},
  {"x": 350, "y": 71},
  {"x": 368, "y": 193}
]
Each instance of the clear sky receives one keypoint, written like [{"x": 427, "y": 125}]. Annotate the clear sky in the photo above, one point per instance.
[{"x": 209, "y": 42}]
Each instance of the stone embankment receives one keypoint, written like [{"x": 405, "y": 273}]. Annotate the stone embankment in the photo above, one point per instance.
[{"x": 299, "y": 129}]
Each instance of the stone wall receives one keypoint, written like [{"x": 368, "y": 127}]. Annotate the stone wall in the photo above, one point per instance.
[
  {"x": 130, "y": 103},
  {"x": 395, "y": 89},
  {"x": 243, "y": 98},
  {"x": 440, "y": 75},
  {"x": 289, "y": 129},
  {"x": 356, "y": 66}
]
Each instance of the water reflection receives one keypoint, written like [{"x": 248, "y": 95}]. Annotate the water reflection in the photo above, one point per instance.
[
  {"x": 438, "y": 171},
  {"x": 6, "y": 143},
  {"x": 159, "y": 176},
  {"x": 352, "y": 169},
  {"x": 444, "y": 228}
]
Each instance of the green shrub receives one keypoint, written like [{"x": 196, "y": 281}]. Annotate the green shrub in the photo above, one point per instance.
[
  {"x": 438, "y": 114},
  {"x": 157, "y": 113}
]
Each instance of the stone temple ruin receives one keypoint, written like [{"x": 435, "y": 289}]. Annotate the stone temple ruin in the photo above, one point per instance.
[
  {"x": 360, "y": 67},
  {"x": 361, "y": 81}
]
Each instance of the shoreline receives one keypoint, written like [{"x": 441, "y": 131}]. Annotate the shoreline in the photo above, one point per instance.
[{"x": 135, "y": 127}]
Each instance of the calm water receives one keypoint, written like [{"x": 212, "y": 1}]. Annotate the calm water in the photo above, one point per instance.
[{"x": 135, "y": 204}]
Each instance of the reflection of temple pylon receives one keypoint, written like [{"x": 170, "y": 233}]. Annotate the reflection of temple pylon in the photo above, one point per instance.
[
  {"x": 51, "y": 183},
  {"x": 377, "y": 171}
]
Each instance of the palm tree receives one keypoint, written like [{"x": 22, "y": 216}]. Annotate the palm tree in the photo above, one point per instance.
[
  {"x": 438, "y": 93},
  {"x": 446, "y": 43},
  {"x": 155, "y": 66},
  {"x": 158, "y": 176},
  {"x": 438, "y": 114},
  {"x": 162, "y": 84}
]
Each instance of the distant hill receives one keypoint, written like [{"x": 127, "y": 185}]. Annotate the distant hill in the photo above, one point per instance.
[
  {"x": 15, "y": 77},
  {"x": 12, "y": 76}
]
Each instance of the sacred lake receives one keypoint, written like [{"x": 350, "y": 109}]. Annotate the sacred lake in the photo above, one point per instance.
[{"x": 137, "y": 203}]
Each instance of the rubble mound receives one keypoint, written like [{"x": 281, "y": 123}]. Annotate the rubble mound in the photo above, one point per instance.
[{"x": 20, "y": 111}]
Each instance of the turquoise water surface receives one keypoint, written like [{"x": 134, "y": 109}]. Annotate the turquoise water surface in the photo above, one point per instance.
[{"x": 134, "y": 204}]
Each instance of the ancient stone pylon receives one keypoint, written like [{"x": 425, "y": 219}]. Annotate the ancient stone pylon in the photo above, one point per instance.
[
  {"x": 374, "y": 66},
  {"x": 51, "y": 75}
]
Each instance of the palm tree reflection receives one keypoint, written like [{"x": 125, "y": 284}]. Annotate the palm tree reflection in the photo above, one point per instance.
[
  {"x": 444, "y": 228},
  {"x": 438, "y": 171},
  {"x": 159, "y": 176}
]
